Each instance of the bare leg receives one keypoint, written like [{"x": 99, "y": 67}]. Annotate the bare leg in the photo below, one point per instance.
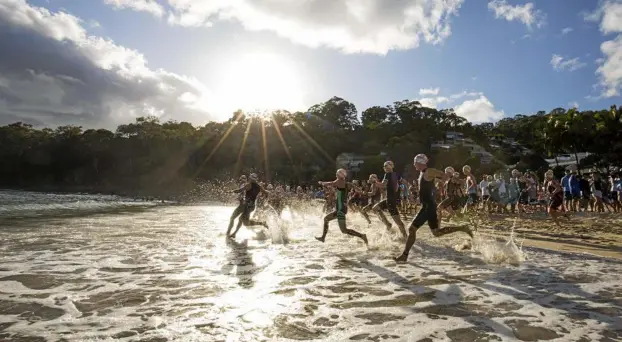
[
  {"x": 400, "y": 225},
  {"x": 378, "y": 210},
  {"x": 237, "y": 212},
  {"x": 327, "y": 219}
]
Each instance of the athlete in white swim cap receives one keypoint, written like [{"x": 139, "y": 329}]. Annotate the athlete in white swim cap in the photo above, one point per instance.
[
  {"x": 341, "y": 209},
  {"x": 427, "y": 213}
]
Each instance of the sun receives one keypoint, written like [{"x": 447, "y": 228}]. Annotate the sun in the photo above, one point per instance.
[{"x": 260, "y": 83}]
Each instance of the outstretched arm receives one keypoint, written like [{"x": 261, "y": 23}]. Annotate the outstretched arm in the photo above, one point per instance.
[
  {"x": 246, "y": 186},
  {"x": 332, "y": 183},
  {"x": 432, "y": 173}
]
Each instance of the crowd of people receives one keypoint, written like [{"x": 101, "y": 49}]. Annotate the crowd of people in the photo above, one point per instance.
[{"x": 435, "y": 196}]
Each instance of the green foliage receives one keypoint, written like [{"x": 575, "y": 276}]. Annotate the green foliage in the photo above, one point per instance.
[{"x": 148, "y": 155}]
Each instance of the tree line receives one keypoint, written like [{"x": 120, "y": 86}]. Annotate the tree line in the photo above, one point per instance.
[{"x": 168, "y": 158}]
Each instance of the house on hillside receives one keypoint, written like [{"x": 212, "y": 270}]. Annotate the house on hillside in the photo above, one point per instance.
[
  {"x": 351, "y": 162},
  {"x": 453, "y": 139},
  {"x": 567, "y": 161}
]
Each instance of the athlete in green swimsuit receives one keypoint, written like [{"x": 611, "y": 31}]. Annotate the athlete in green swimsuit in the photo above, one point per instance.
[{"x": 341, "y": 209}]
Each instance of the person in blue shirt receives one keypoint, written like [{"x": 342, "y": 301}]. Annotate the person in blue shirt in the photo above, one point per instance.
[
  {"x": 565, "y": 182},
  {"x": 575, "y": 189}
]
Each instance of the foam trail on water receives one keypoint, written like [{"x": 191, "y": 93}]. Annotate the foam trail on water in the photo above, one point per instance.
[{"x": 497, "y": 252}]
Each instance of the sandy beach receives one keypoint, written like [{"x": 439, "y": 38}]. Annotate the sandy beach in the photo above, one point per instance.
[{"x": 597, "y": 234}]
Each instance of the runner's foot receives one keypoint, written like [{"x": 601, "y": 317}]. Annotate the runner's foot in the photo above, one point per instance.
[{"x": 401, "y": 259}]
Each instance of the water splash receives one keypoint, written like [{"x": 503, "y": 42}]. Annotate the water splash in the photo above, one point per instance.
[{"x": 501, "y": 252}]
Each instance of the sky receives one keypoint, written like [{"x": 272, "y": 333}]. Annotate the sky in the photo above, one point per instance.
[{"x": 101, "y": 63}]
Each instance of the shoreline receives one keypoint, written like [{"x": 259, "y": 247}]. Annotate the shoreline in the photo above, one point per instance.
[{"x": 584, "y": 234}]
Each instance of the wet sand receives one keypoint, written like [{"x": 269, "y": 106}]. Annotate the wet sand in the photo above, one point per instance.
[
  {"x": 596, "y": 234},
  {"x": 168, "y": 274}
]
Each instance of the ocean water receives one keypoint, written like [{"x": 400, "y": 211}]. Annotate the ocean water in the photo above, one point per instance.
[{"x": 103, "y": 268}]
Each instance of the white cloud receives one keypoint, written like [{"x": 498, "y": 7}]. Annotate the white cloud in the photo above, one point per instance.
[
  {"x": 479, "y": 110},
  {"x": 476, "y": 109},
  {"x": 352, "y": 26},
  {"x": 573, "y": 104},
  {"x": 433, "y": 102},
  {"x": 525, "y": 14},
  {"x": 65, "y": 76},
  {"x": 429, "y": 91},
  {"x": 149, "y": 6},
  {"x": 610, "y": 67},
  {"x": 567, "y": 30},
  {"x": 560, "y": 63}
]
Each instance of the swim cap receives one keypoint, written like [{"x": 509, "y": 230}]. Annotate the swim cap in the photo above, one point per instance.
[
  {"x": 341, "y": 173},
  {"x": 421, "y": 159},
  {"x": 253, "y": 177},
  {"x": 449, "y": 169}
]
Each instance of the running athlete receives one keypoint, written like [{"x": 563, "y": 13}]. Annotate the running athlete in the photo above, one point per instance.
[
  {"x": 341, "y": 209},
  {"x": 427, "y": 213},
  {"x": 389, "y": 182},
  {"x": 374, "y": 195},
  {"x": 453, "y": 191},
  {"x": 251, "y": 190}
]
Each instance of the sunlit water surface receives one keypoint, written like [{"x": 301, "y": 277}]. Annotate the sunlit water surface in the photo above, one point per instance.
[{"x": 96, "y": 268}]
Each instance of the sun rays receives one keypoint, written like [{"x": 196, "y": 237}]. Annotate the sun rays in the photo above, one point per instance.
[{"x": 266, "y": 123}]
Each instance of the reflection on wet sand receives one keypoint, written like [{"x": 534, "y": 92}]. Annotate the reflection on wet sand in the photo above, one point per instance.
[
  {"x": 169, "y": 274},
  {"x": 240, "y": 259}
]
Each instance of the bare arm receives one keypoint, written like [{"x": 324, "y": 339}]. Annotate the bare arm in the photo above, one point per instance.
[
  {"x": 332, "y": 183},
  {"x": 432, "y": 173}
]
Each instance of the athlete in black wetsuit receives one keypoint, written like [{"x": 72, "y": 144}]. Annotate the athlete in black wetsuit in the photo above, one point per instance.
[
  {"x": 341, "y": 207},
  {"x": 390, "y": 183},
  {"x": 251, "y": 190},
  {"x": 427, "y": 213}
]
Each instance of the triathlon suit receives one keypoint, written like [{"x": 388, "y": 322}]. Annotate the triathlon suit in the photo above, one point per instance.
[
  {"x": 555, "y": 201},
  {"x": 341, "y": 203},
  {"x": 250, "y": 197},
  {"x": 427, "y": 213},
  {"x": 390, "y": 203}
]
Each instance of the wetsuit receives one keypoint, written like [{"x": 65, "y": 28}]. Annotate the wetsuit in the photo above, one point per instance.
[
  {"x": 245, "y": 209},
  {"x": 250, "y": 198},
  {"x": 391, "y": 202},
  {"x": 427, "y": 213}
]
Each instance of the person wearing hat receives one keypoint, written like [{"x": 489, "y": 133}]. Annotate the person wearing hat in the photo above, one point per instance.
[
  {"x": 427, "y": 213},
  {"x": 341, "y": 207},
  {"x": 391, "y": 185},
  {"x": 251, "y": 190}
]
